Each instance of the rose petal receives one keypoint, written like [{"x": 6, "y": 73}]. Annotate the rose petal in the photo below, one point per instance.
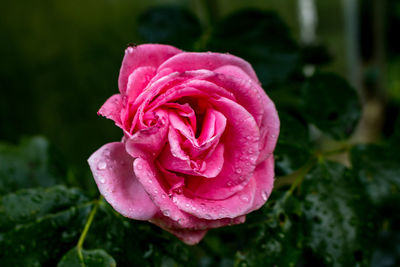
[
  {"x": 111, "y": 109},
  {"x": 255, "y": 100},
  {"x": 151, "y": 55},
  {"x": 240, "y": 139},
  {"x": 150, "y": 141},
  {"x": 231, "y": 207},
  {"x": 209, "y": 61},
  {"x": 264, "y": 178},
  {"x": 172, "y": 217},
  {"x": 113, "y": 172},
  {"x": 189, "y": 237},
  {"x": 138, "y": 80},
  {"x": 195, "y": 223},
  {"x": 153, "y": 184},
  {"x": 210, "y": 167}
]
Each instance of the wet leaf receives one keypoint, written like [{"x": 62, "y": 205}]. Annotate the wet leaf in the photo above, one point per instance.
[
  {"x": 331, "y": 104},
  {"x": 95, "y": 258},
  {"x": 336, "y": 215},
  {"x": 39, "y": 225},
  {"x": 32, "y": 163}
]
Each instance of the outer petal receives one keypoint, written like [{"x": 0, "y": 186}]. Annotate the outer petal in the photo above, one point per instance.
[
  {"x": 151, "y": 55},
  {"x": 208, "y": 61},
  {"x": 113, "y": 172},
  {"x": 111, "y": 109},
  {"x": 171, "y": 216},
  {"x": 264, "y": 178},
  {"x": 269, "y": 122},
  {"x": 189, "y": 237},
  {"x": 232, "y": 207}
]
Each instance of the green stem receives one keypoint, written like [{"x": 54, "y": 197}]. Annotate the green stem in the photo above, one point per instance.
[
  {"x": 86, "y": 228},
  {"x": 300, "y": 173}
]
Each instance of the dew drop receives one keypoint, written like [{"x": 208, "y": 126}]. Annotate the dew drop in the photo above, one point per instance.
[
  {"x": 163, "y": 196},
  {"x": 193, "y": 208},
  {"x": 166, "y": 212},
  {"x": 102, "y": 165},
  {"x": 245, "y": 198},
  {"x": 180, "y": 221},
  {"x": 139, "y": 166},
  {"x": 102, "y": 180},
  {"x": 238, "y": 170},
  {"x": 264, "y": 195}
]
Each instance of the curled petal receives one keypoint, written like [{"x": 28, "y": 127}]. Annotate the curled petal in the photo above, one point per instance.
[
  {"x": 111, "y": 109},
  {"x": 138, "y": 80},
  {"x": 241, "y": 146},
  {"x": 151, "y": 55},
  {"x": 207, "y": 61},
  {"x": 250, "y": 95},
  {"x": 112, "y": 170},
  {"x": 148, "y": 142}
]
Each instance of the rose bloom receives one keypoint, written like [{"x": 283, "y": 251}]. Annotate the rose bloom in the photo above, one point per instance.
[{"x": 199, "y": 133}]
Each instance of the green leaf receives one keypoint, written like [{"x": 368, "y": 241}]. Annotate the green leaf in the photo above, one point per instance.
[
  {"x": 260, "y": 37},
  {"x": 316, "y": 55},
  {"x": 148, "y": 245},
  {"x": 172, "y": 25},
  {"x": 32, "y": 163},
  {"x": 336, "y": 216},
  {"x": 331, "y": 104},
  {"x": 40, "y": 225},
  {"x": 293, "y": 148},
  {"x": 378, "y": 169},
  {"x": 95, "y": 258},
  {"x": 273, "y": 234}
]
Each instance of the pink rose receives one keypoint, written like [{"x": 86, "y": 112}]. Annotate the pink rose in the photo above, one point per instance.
[{"x": 199, "y": 133}]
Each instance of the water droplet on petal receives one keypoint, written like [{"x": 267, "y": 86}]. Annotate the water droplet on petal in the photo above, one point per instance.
[
  {"x": 102, "y": 165},
  {"x": 238, "y": 170},
  {"x": 139, "y": 166},
  {"x": 102, "y": 180},
  {"x": 166, "y": 212},
  {"x": 264, "y": 195},
  {"x": 245, "y": 198}
]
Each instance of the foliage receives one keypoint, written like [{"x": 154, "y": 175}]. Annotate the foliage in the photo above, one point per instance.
[{"x": 321, "y": 212}]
